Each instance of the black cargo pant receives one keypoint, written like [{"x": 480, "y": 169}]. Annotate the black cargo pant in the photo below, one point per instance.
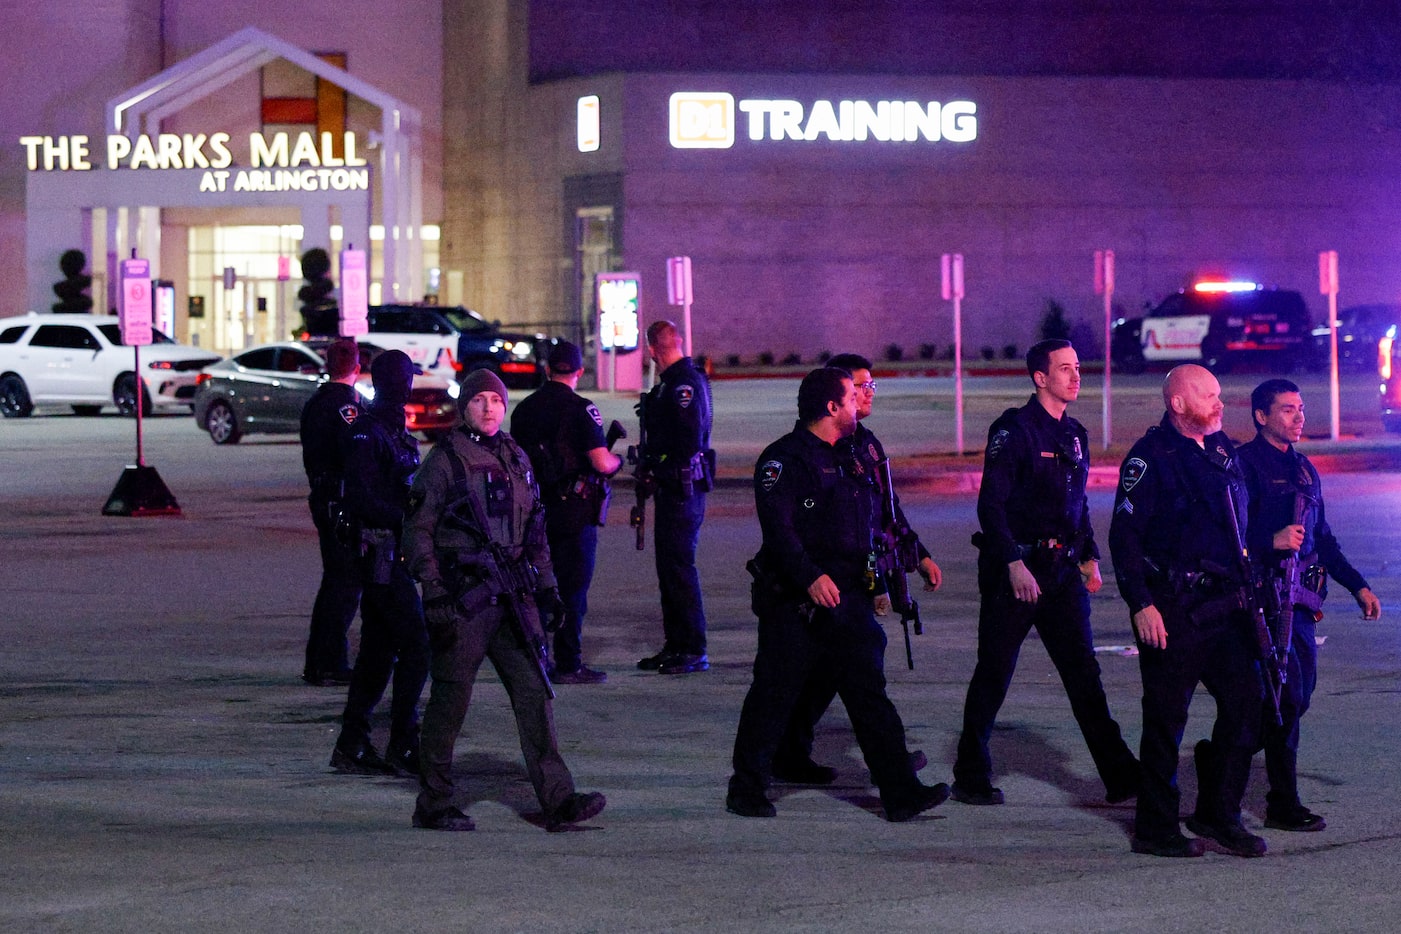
[
  {"x": 457, "y": 655},
  {"x": 1282, "y": 742},
  {"x": 1215, "y": 653},
  {"x": 848, "y": 643},
  {"x": 1061, "y": 618},
  {"x": 678, "y": 522},
  {"x": 337, "y": 598},
  {"x": 393, "y": 643}
]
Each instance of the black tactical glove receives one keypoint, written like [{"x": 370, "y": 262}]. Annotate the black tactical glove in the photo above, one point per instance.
[
  {"x": 440, "y": 616},
  {"x": 551, "y": 608}
]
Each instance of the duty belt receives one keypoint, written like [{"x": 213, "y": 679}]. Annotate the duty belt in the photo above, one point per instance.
[{"x": 1050, "y": 547}]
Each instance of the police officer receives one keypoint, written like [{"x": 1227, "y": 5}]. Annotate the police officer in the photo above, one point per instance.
[
  {"x": 793, "y": 762},
  {"x": 676, "y": 416},
  {"x": 1037, "y": 566},
  {"x": 381, "y": 457},
  {"x": 326, "y": 422},
  {"x": 814, "y": 607},
  {"x": 562, "y": 432},
  {"x": 1180, "y": 500},
  {"x": 475, "y": 538},
  {"x": 1287, "y": 525}
]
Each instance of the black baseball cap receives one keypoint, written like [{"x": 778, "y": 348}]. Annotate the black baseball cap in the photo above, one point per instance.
[{"x": 565, "y": 357}]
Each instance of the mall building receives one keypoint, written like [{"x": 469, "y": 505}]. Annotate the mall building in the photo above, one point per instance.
[{"x": 814, "y": 160}]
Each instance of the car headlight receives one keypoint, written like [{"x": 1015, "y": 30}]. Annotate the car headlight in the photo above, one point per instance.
[{"x": 522, "y": 349}]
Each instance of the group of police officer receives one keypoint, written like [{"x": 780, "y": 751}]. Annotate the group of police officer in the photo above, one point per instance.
[{"x": 500, "y": 532}]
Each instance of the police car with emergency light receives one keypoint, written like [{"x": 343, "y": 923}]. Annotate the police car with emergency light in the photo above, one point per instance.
[{"x": 1217, "y": 323}]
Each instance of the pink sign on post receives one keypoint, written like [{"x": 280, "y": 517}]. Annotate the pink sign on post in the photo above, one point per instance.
[
  {"x": 134, "y": 315},
  {"x": 355, "y": 294}
]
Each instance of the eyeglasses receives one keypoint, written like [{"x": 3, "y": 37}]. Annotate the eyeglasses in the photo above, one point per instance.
[{"x": 869, "y": 385}]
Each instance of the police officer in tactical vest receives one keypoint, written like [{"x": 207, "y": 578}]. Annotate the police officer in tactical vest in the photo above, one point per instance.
[
  {"x": 475, "y": 538},
  {"x": 380, "y": 460},
  {"x": 562, "y": 432}
]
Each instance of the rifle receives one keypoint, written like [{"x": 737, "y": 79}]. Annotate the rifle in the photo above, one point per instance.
[
  {"x": 510, "y": 580},
  {"x": 1273, "y": 659},
  {"x": 1285, "y": 593},
  {"x": 644, "y": 480},
  {"x": 896, "y": 553}
]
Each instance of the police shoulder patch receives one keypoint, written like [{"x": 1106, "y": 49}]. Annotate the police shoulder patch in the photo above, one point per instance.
[
  {"x": 1133, "y": 470},
  {"x": 769, "y": 473},
  {"x": 684, "y": 395},
  {"x": 349, "y": 413},
  {"x": 997, "y": 442},
  {"x": 595, "y": 414}
]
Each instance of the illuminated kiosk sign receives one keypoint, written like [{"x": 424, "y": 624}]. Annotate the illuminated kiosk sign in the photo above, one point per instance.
[
  {"x": 278, "y": 163},
  {"x": 709, "y": 119}
]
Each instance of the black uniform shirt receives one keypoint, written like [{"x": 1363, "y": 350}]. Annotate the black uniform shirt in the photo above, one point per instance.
[
  {"x": 868, "y": 453},
  {"x": 1170, "y": 510},
  {"x": 380, "y": 460},
  {"x": 326, "y": 425},
  {"x": 678, "y": 414},
  {"x": 557, "y": 417},
  {"x": 815, "y": 514},
  {"x": 1033, "y": 488},
  {"x": 1273, "y": 476}
]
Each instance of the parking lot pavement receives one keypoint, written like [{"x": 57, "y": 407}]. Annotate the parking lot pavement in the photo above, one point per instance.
[{"x": 162, "y": 767}]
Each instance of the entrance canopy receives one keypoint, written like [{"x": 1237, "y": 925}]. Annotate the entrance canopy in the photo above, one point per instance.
[{"x": 138, "y": 111}]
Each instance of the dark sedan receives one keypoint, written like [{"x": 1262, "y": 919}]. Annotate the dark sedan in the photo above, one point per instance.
[
  {"x": 1360, "y": 328},
  {"x": 264, "y": 389}
]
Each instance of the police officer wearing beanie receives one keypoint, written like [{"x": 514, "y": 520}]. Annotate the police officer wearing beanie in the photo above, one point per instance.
[
  {"x": 1288, "y": 525},
  {"x": 562, "y": 432},
  {"x": 814, "y": 609},
  {"x": 676, "y": 420},
  {"x": 380, "y": 460},
  {"x": 326, "y": 423},
  {"x": 474, "y": 537}
]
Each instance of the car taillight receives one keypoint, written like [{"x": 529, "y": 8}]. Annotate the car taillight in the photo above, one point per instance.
[
  {"x": 160, "y": 365},
  {"x": 1384, "y": 356},
  {"x": 202, "y": 378}
]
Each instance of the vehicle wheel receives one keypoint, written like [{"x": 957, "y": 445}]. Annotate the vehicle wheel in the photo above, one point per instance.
[
  {"x": 87, "y": 410},
  {"x": 222, "y": 424},
  {"x": 124, "y": 396},
  {"x": 14, "y": 398}
]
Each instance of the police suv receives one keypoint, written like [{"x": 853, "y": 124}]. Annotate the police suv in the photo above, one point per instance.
[{"x": 1217, "y": 323}]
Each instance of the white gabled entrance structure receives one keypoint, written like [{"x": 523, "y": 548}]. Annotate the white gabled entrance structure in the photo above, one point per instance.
[{"x": 58, "y": 202}]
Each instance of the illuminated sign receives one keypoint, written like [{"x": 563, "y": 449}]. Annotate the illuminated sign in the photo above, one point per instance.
[
  {"x": 708, "y": 120},
  {"x": 280, "y": 162},
  {"x": 588, "y": 123},
  {"x": 617, "y": 310},
  {"x": 188, "y": 151},
  {"x": 702, "y": 120}
]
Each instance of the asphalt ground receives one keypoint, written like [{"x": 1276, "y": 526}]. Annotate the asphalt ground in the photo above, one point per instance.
[{"x": 162, "y": 767}]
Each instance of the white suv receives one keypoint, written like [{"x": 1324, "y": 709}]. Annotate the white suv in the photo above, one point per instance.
[{"x": 79, "y": 360}]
